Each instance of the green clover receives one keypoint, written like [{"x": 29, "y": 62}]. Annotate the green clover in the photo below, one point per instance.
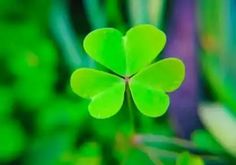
[{"x": 128, "y": 57}]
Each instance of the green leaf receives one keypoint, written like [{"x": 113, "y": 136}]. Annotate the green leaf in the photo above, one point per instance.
[
  {"x": 186, "y": 158},
  {"x": 125, "y": 55},
  {"x": 106, "y": 47},
  {"x": 42, "y": 86},
  {"x": 150, "y": 102},
  {"x": 62, "y": 113},
  {"x": 89, "y": 153},
  {"x": 149, "y": 85},
  {"x": 202, "y": 137},
  {"x": 167, "y": 75},
  {"x": 6, "y": 100},
  {"x": 12, "y": 140},
  {"x": 105, "y": 90},
  {"x": 142, "y": 44},
  {"x": 136, "y": 156},
  {"x": 49, "y": 149},
  {"x": 221, "y": 124}
]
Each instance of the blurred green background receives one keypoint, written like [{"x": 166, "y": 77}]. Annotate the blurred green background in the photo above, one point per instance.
[{"x": 43, "y": 123}]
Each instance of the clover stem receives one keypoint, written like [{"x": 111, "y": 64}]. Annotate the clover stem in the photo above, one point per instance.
[{"x": 130, "y": 108}]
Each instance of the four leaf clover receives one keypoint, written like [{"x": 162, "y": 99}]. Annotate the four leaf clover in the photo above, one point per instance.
[{"x": 128, "y": 57}]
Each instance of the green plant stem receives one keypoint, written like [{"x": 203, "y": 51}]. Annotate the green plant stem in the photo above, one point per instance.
[
  {"x": 158, "y": 139},
  {"x": 156, "y": 154},
  {"x": 130, "y": 108}
]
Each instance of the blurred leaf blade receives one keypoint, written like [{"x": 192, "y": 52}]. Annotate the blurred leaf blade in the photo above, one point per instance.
[
  {"x": 220, "y": 122},
  {"x": 95, "y": 13},
  {"x": 66, "y": 36}
]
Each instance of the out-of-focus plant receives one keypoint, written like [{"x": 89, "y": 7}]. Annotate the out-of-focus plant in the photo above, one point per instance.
[
  {"x": 218, "y": 65},
  {"x": 12, "y": 140},
  {"x": 188, "y": 159},
  {"x": 213, "y": 116},
  {"x": 217, "y": 58}
]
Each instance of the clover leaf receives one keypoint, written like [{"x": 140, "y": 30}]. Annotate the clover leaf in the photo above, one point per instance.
[{"x": 128, "y": 57}]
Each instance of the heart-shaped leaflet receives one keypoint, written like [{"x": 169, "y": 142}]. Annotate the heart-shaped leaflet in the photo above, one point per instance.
[{"x": 128, "y": 56}]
